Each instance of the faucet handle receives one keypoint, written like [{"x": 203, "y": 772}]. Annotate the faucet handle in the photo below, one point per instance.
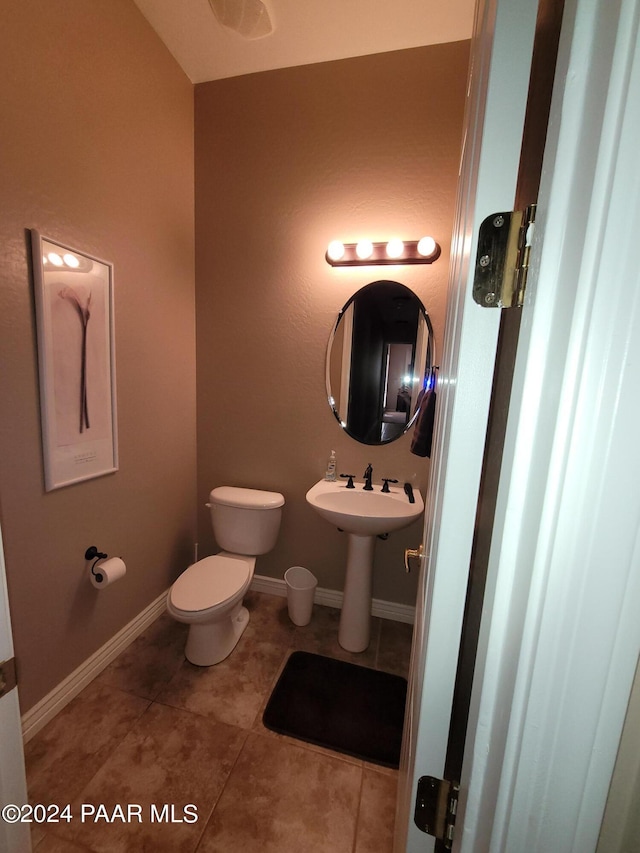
[
  {"x": 368, "y": 474},
  {"x": 350, "y": 477},
  {"x": 385, "y": 487}
]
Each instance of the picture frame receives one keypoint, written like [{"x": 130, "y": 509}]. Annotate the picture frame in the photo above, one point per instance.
[{"x": 74, "y": 306}]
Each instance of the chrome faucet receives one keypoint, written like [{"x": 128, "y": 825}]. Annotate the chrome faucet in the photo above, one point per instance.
[{"x": 368, "y": 474}]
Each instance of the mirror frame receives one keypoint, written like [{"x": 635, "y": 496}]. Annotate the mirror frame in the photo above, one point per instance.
[{"x": 426, "y": 377}]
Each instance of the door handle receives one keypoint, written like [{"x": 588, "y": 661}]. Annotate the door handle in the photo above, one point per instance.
[{"x": 409, "y": 553}]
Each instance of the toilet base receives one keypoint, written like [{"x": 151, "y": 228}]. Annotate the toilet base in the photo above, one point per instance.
[{"x": 209, "y": 643}]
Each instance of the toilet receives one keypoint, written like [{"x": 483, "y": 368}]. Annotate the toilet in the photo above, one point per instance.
[{"x": 208, "y": 594}]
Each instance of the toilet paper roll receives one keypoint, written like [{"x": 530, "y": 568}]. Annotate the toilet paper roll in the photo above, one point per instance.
[{"x": 106, "y": 572}]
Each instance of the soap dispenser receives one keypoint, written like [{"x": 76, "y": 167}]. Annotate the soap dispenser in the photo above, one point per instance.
[{"x": 330, "y": 473}]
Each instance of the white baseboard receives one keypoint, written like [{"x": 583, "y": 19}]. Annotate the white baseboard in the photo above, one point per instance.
[
  {"x": 37, "y": 717},
  {"x": 47, "y": 708},
  {"x": 333, "y": 598}
]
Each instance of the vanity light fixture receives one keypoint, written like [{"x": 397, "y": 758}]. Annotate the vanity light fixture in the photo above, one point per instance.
[{"x": 395, "y": 251}]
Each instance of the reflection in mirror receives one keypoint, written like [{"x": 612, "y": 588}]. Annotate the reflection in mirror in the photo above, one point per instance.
[{"x": 379, "y": 359}]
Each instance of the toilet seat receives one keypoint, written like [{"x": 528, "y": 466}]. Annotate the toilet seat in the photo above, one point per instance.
[{"x": 210, "y": 582}]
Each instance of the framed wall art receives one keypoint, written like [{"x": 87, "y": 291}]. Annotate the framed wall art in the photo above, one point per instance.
[{"x": 76, "y": 360}]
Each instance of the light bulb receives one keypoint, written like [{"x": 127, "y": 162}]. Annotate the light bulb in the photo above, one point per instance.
[
  {"x": 335, "y": 250},
  {"x": 71, "y": 260},
  {"x": 364, "y": 249},
  {"x": 395, "y": 248},
  {"x": 426, "y": 246},
  {"x": 55, "y": 259}
]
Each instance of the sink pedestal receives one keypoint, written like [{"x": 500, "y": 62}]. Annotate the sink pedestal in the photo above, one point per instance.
[
  {"x": 355, "y": 618},
  {"x": 362, "y": 514}
]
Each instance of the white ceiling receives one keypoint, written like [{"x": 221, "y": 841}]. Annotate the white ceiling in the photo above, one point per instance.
[{"x": 305, "y": 31}]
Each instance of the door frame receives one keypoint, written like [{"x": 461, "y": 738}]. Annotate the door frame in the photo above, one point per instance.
[{"x": 13, "y": 786}]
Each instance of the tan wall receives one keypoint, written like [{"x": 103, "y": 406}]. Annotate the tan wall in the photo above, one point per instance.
[
  {"x": 285, "y": 162},
  {"x": 96, "y": 151}
]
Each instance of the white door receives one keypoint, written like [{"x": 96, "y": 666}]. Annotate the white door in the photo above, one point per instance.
[
  {"x": 560, "y": 635},
  {"x": 14, "y": 836},
  {"x": 494, "y": 120}
]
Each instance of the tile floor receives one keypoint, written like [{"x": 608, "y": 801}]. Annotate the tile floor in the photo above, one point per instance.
[{"x": 153, "y": 731}]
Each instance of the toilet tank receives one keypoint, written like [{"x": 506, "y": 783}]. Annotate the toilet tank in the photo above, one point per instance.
[{"x": 245, "y": 521}]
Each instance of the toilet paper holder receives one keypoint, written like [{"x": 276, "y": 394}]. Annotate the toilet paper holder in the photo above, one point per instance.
[
  {"x": 92, "y": 553},
  {"x": 105, "y": 570}
]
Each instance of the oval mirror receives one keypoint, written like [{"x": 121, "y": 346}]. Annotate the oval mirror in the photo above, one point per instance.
[{"x": 380, "y": 357}]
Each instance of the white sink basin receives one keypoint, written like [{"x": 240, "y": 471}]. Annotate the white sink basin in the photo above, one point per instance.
[{"x": 364, "y": 513}]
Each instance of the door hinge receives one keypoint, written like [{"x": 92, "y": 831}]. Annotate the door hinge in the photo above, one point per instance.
[
  {"x": 502, "y": 261},
  {"x": 436, "y": 807},
  {"x": 8, "y": 677}
]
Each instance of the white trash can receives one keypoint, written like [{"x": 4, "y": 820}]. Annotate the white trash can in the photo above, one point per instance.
[{"x": 301, "y": 586}]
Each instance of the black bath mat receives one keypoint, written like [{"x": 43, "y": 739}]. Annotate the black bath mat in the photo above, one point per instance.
[{"x": 341, "y": 706}]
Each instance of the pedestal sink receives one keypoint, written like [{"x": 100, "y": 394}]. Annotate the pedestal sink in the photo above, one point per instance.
[{"x": 363, "y": 515}]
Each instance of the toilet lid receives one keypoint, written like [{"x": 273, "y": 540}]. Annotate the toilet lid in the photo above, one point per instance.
[{"x": 208, "y": 582}]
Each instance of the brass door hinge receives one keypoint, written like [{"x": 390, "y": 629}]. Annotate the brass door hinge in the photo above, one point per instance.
[
  {"x": 502, "y": 261},
  {"x": 436, "y": 807},
  {"x": 8, "y": 678}
]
